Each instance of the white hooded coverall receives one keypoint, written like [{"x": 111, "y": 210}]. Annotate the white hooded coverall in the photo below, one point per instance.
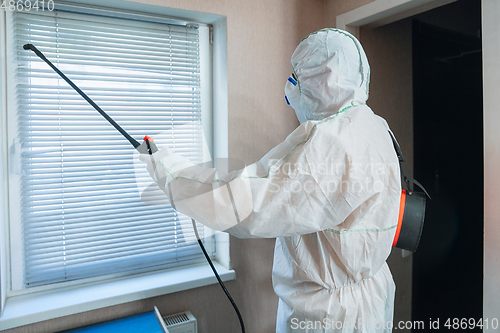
[{"x": 329, "y": 194}]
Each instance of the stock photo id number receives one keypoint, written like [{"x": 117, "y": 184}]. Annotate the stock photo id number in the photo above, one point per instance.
[{"x": 27, "y": 5}]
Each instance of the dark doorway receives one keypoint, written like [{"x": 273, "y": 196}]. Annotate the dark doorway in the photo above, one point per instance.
[{"x": 448, "y": 161}]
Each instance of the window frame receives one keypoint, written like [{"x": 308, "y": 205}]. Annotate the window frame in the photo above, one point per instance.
[
  {"x": 16, "y": 227},
  {"x": 215, "y": 127}
]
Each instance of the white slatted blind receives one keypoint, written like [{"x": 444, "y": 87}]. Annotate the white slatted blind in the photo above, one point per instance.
[{"x": 81, "y": 214}]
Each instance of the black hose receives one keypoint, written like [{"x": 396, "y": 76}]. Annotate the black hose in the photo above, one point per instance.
[{"x": 218, "y": 278}]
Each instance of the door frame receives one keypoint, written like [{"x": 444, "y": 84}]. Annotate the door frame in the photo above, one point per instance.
[{"x": 382, "y": 12}]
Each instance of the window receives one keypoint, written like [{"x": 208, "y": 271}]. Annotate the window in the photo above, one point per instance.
[{"x": 75, "y": 201}]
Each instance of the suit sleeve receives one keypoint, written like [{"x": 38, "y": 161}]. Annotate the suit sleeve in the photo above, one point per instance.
[{"x": 301, "y": 186}]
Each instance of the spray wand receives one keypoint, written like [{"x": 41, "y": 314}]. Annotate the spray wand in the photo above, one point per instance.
[
  {"x": 147, "y": 147},
  {"x": 144, "y": 148}
]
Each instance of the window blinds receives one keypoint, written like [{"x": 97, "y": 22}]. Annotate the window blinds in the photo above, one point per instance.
[{"x": 81, "y": 211}]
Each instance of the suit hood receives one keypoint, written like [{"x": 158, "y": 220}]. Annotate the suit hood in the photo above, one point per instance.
[{"x": 332, "y": 73}]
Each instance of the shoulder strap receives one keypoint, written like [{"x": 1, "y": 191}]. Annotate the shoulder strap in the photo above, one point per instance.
[{"x": 407, "y": 179}]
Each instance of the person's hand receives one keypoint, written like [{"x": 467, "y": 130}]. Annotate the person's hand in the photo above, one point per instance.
[
  {"x": 156, "y": 171},
  {"x": 147, "y": 146}
]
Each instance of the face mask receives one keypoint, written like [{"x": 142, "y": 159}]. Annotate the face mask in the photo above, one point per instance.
[{"x": 292, "y": 97}]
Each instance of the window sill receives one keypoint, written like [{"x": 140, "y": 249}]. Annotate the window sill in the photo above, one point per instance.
[{"x": 31, "y": 308}]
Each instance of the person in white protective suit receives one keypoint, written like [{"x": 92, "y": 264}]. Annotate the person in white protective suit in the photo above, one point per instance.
[{"x": 329, "y": 194}]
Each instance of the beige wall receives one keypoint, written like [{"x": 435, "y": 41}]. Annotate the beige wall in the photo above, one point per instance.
[
  {"x": 337, "y": 7},
  {"x": 491, "y": 83},
  {"x": 262, "y": 35}
]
